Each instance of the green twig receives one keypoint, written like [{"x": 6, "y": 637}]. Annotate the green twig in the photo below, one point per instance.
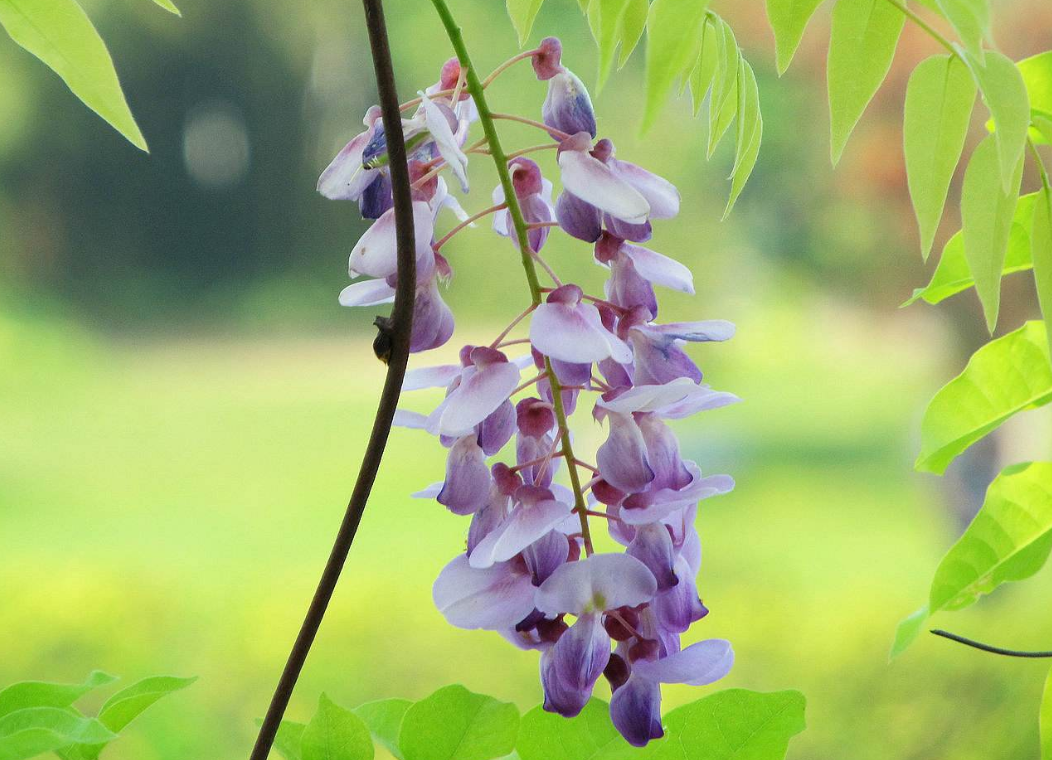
[{"x": 500, "y": 160}]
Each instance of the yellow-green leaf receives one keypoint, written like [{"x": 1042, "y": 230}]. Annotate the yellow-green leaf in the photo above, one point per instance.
[
  {"x": 523, "y": 13},
  {"x": 60, "y": 34},
  {"x": 1004, "y": 377},
  {"x": 335, "y": 734},
  {"x": 1004, "y": 93},
  {"x": 788, "y": 19},
  {"x": 702, "y": 76},
  {"x": 971, "y": 20},
  {"x": 750, "y": 132},
  {"x": 1037, "y": 76},
  {"x": 862, "y": 44},
  {"x": 939, "y": 101},
  {"x": 1041, "y": 251},
  {"x": 724, "y": 98},
  {"x": 986, "y": 215},
  {"x": 633, "y": 23},
  {"x": 952, "y": 274},
  {"x": 1009, "y": 540},
  {"x": 674, "y": 30},
  {"x": 606, "y": 17}
]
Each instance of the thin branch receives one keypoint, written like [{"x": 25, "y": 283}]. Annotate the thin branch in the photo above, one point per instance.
[
  {"x": 925, "y": 26},
  {"x": 531, "y": 122},
  {"x": 992, "y": 649},
  {"x": 393, "y": 344}
]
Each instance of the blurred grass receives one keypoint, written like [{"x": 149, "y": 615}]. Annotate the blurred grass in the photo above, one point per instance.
[{"x": 167, "y": 505}]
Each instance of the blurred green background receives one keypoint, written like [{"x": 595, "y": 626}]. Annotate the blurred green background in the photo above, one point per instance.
[{"x": 183, "y": 405}]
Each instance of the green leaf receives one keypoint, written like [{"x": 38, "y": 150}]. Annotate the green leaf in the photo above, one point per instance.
[
  {"x": 128, "y": 704},
  {"x": 60, "y": 34},
  {"x": 788, "y": 19},
  {"x": 701, "y": 77},
  {"x": 169, "y": 6},
  {"x": 384, "y": 719},
  {"x": 723, "y": 101},
  {"x": 288, "y": 739},
  {"x": 633, "y": 23},
  {"x": 523, "y": 13},
  {"x": 1045, "y": 720},
  {"x": 1009, "y": 540},
  {"x": 1037, "y": 76},
  {"x": 19, "y": 696},
  {"x": 736, "y": 724},
  {"x": 607, "y": 20},
  {"x": 987, "y": 210},
  {"x": 1006, "y": 376},
  {"x": 546, "y": 736},
  {"x": 674, "y": 30},
  {"x": 952, "y": 274},
  {"x": 36, "y": 730},
  {"x": 335, "y": 734},
  {"x": 456, "y": 724},
  {"x": 1041, "y": 251},
  {"x": 908, "y": 631},
  {"x": 862, "y": 45},
  {"x": 1004, "y": 93},
  {"x": 750, "y": 133},
  {"x": 971, "y": 20},
  {"x": 939, "y": 101}
]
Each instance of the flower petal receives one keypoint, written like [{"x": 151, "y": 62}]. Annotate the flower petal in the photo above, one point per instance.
[
  {"x": 578, "y": 218},
  {"x": 661, "y": 194},
  {"x": 525, "y": 524},
  {"x": 575, "y": 333},
  {"x": 346, "y": 178},
  {"x": 698, "y": 665},
  {"x": 479, "y": 394},
  {"x": 468, "y": 480},
  {"x": 600, "y": 582},
  {"x": 635, "y": 709},
  {"x": 367, "y": 293},
  {"x": 448, "y": 147},
  {"x": 622, "y": 458},
  {"x": 570, "y": 669},
  {"x": 594, "y": 182},
  {"x": 567, "y": 106},
  {"x": 376, "y": 252},
  {"x": 495, "y": 598},
  {"x": 660, "y": 269},
  {"x": 652, "y": 546}
]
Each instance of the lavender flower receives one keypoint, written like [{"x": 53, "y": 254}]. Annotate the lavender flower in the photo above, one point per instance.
[{"x": 530, "y": 571}]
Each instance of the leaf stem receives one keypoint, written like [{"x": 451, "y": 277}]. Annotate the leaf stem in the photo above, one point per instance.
[
  {"x": 500, "y": 160},
  {"x": 988, "y": 648},
  {"x": 397, "y": 330},
  {"x": 931, "y": 31},
  {"x": 470, "y": 220}
]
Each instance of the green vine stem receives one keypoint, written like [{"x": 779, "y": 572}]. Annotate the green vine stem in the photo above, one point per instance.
[{"x": 500, "y": 160}]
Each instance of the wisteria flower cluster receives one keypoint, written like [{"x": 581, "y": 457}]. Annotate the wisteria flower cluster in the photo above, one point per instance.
[{"x": 530, "y": 570}]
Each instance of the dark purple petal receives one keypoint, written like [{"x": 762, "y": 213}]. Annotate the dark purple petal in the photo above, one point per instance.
[
  {"x": 680, "y": 606},
  {"x": 637, "y": 233},
  {"x": 567, "y": 106},
  {"x": 570, "y": 669},
  {"x": 545, "y": 555},
  {"x": 497, "y": 429},
  {"x": 652, "y": 546},
  {"x": 578, "y": 218},
  {"x": 663, "y": 453},
  {"x": 627, "y": 289},
  {"x": 377, "y": 198},
  {"x": 622, "y": 458},
  {"x": 659, "y": 360},
  {"x": 468, "y": 480},
  {"x": 635, "y": 709},
  {"x": 432, "y": 319}
]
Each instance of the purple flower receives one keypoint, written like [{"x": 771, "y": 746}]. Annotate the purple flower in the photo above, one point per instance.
[
  {"x": 534, "y": 194},
  {"x": 567, "y": 328}
]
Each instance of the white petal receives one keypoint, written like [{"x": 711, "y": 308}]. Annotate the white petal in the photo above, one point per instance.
[
  {"x": 431, "y": 377},
  {"x": 407, "y": 419},
  {"x": 479, "y": 393},
  {"x": 593, "y": 182},
  {"x": 376, "y": 252},
  {"x": 367, "y": 293},
  {"x": 495, "y": 598},
  {"x": 699, "y": 664},
  {"x": 521, "y": 528},
  {"x": 346, "y": 178},
  {"x": 660, "y": 269},
  {"x": 575, "y": 334},
  {"x": 448, "y": 147},
  {"x": 600, "y": 582}
]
